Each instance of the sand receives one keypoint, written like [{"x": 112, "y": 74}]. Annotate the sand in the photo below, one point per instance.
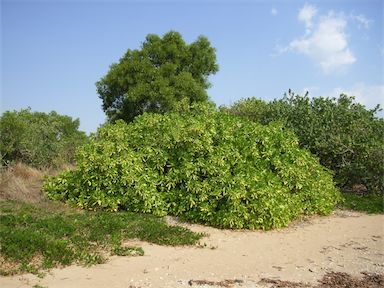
[{"x": 343, "y": 242}]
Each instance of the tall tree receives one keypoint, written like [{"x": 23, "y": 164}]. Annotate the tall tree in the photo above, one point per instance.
[{"x": 155, "y": 78}]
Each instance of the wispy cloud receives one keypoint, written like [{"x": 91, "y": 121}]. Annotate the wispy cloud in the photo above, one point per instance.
[
  {"x": 274, "y": 11},
  {"x": 306, "y": 15},
  {"x": 362, "y": 21},
  {"x": 325, "y": 40},
  {"x": 368, "y": 95}
]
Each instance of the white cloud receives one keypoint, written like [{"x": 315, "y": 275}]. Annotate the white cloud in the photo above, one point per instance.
[
  {"x": 306, "y": 14},
  {"x": 368, "y": 95},
  {"x": 274, "y": 12},
  {"x": 361, "y": 20},
  {"x": 327, "y": 43}
]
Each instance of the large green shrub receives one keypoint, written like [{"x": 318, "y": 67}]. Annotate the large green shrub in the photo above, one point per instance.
[
  {"x": 38, "y": 139},
  {"x": 347, "y": 137},
  {"x": 201, "y": 165}
]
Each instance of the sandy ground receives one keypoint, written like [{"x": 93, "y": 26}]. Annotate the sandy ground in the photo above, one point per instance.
[{"x": 343, "y": 242}]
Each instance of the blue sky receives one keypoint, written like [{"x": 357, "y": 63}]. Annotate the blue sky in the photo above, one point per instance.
[{"x": 53, "y": 52}]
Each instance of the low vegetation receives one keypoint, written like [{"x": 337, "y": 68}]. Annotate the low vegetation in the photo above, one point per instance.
[
  {"x": 201, "y": 165},
  {"x": 46, "y": 235},
  {"x": 370, "y": 203}
]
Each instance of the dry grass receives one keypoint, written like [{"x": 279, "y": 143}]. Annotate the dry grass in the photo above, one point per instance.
[
  {"x": 21, "y": 183},
  {"x": 228, "y": 283},
  {"x": 333, "y": 280}
]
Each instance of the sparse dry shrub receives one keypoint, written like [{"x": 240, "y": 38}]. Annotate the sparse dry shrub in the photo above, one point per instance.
[{"x": 22, "y": 183}]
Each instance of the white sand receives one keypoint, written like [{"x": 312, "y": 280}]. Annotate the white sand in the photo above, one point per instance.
[{"x": 346, "y": 242}]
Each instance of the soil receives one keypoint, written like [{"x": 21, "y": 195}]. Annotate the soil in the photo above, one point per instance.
[{"x": 344, "y": 250}]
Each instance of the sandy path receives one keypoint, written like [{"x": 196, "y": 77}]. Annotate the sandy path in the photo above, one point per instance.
[{"x": 346, "y": 242}]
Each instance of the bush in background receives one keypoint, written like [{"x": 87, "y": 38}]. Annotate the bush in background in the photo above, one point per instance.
[
  {"x": 201, "y": 165},
  {"x": 39, "y": 139},
  {"x": 347, "y": 137}
]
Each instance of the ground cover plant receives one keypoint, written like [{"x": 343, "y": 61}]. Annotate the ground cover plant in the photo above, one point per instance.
[
  {"x": 201, "y": 165},
  {"x": 45, "y": 235},
  {"x": 347, "y": 137},
  {"x": 370, "y": 203}
]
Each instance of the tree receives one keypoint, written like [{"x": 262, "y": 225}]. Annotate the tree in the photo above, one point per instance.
[
  {"x": 156, "y": 77},
  {"x": 39, "y": 139}
]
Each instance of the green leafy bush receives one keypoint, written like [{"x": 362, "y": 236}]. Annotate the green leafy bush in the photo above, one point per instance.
[
  {"x": 38, "y": 139},
  {"x": 348, "y": 138},
  {"x": 201, "y": 165}
]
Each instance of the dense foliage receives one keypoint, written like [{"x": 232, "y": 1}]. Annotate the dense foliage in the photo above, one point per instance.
[
  {"x": 347, "y": 137},
  {"x": 201, "y": 165},
  {"x": 157, "y": 76},
  {"x": 38, "y": 139}
]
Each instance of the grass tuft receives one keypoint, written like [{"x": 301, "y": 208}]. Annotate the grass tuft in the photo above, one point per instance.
[{"x": 127, "y": 251}]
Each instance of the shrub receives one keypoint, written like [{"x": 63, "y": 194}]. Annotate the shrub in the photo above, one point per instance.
[
  {"x": 38, "y": 139},
  {"x": 21, "y": 183},
  {"x": 201, "y": 165},
  {"x": 253, "y": 109},
  {"x": 347, "y": 137}
]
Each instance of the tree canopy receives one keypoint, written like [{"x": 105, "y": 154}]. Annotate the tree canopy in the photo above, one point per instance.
[
  {"x": 39, "y": 139},
  {"x": 156, "y": 77}
]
